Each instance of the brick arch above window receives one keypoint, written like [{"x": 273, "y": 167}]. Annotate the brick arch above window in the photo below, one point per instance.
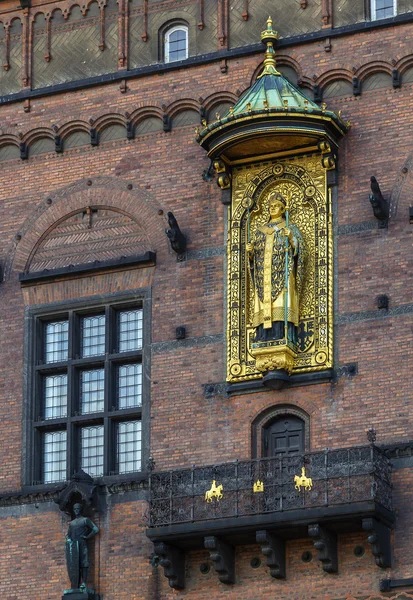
[
  {"x": 91, "y": 234},
  {"x": 108, "y": 193},
  {"x": 269, "y": 416}
]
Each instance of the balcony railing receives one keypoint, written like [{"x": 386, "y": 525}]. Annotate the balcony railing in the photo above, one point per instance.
[{"x": 339, "y": 477}]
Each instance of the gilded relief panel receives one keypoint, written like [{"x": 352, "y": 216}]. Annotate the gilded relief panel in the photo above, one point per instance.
[{"x": 279, "y": 269}]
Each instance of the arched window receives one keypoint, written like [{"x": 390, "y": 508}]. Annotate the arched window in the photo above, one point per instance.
[
  {"x": 283, "y": 435},
  {"x": 176, "y": 43}
]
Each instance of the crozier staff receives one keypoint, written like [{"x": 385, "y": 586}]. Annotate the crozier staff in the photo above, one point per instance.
[{"x": 273, "y": 275}]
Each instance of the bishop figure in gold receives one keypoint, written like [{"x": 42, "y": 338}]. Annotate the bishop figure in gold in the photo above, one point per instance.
[{"x": 267, "y": 254}]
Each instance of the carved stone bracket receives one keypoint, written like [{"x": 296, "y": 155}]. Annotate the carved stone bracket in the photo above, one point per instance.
[
  {"x": 80, "y": 489},
  {"x": 379, "y": 203},
  {"x": 223, "y": 557},
  {"x": 379, "y": 540},
  {"x": 223, "y": 177},
  {"x": 172, "y": 560},
  {"x": 175, "y": 235},
  {"x": 223, "y": 181},
  {"x": 273, "y": 548},
  {"x": 325, "y": 542}
]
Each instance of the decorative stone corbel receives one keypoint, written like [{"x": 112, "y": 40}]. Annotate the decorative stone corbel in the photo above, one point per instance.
[
  {"x": 356, "y": 86},
  {"x": 24, "y": 151},
  {"x": 325, "y": 542},
  {"x": 380, "y": 541},
  {"x": 318, "y": 93},
  {"x": 81, "y": 488},
  {"x": 379, "y": 204},
  {"x": 328, "y": 160},
  {"x": 94, "y": 137},
  {"x": 223, "y": 181},
  {"x": 223, "y": 557},
  {"x": 172, "y": 560},
  {"x": 273, "y": 548},
  {"x": 166, "y": 122},
  {"x": 175, "y": 235},
  {"x": 396, "y": 78},
  {"x": 130, "y": 130},
  {"x": 58, "y": 144}
]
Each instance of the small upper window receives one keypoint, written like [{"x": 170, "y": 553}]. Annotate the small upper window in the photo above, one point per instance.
[
  {"x": 176, "y": 43},
  {"x": 383, "y": 9}
]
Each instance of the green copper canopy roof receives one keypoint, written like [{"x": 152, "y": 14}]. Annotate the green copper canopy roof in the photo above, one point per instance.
[
  {"x": 272, "y": 107},
  {"x": 271, "y": 92}
]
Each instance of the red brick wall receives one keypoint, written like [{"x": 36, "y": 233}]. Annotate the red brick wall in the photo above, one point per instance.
[{"x": 165, "y": 170}]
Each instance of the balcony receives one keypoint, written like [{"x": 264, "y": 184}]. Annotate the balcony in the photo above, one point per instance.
[{"x": 261, "y": 501}]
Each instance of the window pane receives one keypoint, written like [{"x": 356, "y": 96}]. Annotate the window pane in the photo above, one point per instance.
[
  {"x": 91, "y": 457},
  {"x": 129, "y": 386},
  {"x": 384, "y": 9},
  {"x": 54, "y": 456},
  {"x": 93, "y": 336},
  {"x": 129, "y": 447},
  {"x": 57, "y": 341},
  {"x": 55, "y": 396},
  {"x": 92, "y": 389},
  {"x": 177, "y": 55},
  {"x": 176, "y": 36},
  {"x": 130, "y": 330},
  {"x": 176, "y": 45}
]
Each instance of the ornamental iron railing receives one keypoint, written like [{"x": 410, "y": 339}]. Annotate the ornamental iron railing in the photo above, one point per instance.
[{"x": 341, "y": 476}]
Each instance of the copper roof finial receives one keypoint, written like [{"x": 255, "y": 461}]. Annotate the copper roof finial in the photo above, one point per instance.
[{"x": 269, "y": 37}]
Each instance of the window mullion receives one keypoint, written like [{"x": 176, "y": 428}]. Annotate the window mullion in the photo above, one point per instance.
[
  {"x": 109, "y": 345},
  {"x": 73, "y": 335},
  {"x": 73, "y": 342},
  {"x": 109, "y": 330},
  {"x": 108, "y": 465},
  {"x": 71, "y": 449}
]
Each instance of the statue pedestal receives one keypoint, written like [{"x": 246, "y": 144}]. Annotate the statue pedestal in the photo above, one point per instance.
[
  {"x": 276, "y": 380},
  {"x": 275, "y": 355},
  {"x": 80, "y": 594}
]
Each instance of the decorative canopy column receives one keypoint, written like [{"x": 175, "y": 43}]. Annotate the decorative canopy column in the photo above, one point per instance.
[{"x": 275, "y": 154}]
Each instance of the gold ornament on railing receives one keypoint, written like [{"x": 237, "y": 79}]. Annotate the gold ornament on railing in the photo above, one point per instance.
[
  {"x": 303, "y": 481},
  {"x": 214, "y": 492},
  {"x": 258, "y": 487}
]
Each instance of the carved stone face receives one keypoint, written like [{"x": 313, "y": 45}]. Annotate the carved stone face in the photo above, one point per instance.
[{"x": 77, "y": 509}]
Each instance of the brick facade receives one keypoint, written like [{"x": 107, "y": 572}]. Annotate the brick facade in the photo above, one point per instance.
[{"x": 144, "y": 178}]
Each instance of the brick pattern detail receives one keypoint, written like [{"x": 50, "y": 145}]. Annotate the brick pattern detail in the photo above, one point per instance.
[
  {"x": 188, "y": 426},
  {"x": 89, "y": 235}
]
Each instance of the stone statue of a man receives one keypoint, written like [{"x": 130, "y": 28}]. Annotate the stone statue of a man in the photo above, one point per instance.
[{"x": 80, "y": 530}]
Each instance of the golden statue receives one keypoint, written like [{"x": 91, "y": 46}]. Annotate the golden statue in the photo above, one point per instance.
[{"x": 276, "y": 266}]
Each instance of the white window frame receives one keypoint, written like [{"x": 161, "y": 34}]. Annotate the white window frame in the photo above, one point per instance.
[
  {"x": 373, "y": 10},
  {"x": 168, "y": 34}
]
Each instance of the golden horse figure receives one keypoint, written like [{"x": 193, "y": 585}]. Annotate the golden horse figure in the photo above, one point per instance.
[
  {"x": 303, "y": 481},
  {"x": 214, "y": 492}
]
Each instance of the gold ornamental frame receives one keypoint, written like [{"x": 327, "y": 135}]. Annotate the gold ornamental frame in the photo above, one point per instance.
[{"x": 302, "y": 181}]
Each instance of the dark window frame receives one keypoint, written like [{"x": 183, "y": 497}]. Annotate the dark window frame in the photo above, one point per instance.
[{"x": 35, "y": 369}]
